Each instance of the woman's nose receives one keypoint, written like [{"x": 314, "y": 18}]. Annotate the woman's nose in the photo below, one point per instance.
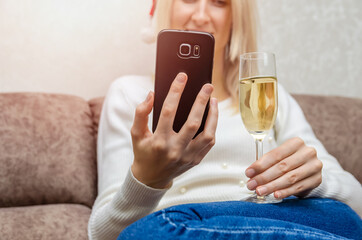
[{"x": 201, "y": 14}]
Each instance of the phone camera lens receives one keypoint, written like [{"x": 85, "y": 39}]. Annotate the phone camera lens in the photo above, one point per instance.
[{"x": 185, "y": 49}]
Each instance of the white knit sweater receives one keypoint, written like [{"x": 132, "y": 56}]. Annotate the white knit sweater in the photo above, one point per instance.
[{"x": 219, "y": 177}]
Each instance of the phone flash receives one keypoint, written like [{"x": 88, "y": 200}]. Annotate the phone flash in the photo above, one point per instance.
[{"x": 196, "y": 50}]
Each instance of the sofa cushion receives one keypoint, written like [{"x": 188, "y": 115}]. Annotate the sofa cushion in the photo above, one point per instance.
[
  {"x": 58, "y": 221},
  {"x": 96, "y": 105},
  {"x": 48, "y": 150},
  {"x": 337, "y": 122}
]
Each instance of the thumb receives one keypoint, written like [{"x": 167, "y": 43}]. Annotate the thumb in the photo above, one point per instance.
[{"x": 140, "y": 123}]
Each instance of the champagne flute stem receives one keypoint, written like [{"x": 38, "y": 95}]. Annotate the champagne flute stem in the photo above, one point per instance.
[
  {"x": 259, "y": 153},
  {"x": 259, "y": 148}
]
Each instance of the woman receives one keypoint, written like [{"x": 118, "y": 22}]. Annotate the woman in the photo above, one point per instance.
[{"x": 141, "y": 172}]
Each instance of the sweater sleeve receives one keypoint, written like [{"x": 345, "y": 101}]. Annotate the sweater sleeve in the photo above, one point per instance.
[
  {"x": 336, "y": 183},
  {"x": 121, "y": 199}
]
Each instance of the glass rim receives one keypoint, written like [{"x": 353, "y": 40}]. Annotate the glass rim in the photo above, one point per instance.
[
  {"x": 259, "y": 76},
  {"x": 250, "y": 54}
]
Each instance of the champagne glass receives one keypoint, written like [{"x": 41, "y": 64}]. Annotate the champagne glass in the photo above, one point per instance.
[{"x": 258, "y": 102}]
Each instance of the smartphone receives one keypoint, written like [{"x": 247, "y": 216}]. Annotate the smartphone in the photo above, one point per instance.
[{"x": 178, "y": 51}]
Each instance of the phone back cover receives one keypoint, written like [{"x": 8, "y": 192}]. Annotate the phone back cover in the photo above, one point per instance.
[{"x": 169, "y": 64}]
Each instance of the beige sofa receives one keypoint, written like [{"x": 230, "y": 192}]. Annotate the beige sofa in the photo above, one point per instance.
[{"x": 48, "y": 176}]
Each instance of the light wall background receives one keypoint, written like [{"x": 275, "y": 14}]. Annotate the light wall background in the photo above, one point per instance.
[{"x": 79, "y": 47}]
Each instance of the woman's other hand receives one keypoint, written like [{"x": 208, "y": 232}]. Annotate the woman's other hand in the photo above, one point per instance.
[
  {"x": 290, "y": 169},
  {"x": 161, "y": 156}
]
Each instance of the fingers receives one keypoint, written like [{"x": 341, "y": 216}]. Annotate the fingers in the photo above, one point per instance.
[
  {"x": 283, "y": 167},
  {"x": 208, "y": 135},
  {"x": 302, "y": 186},
  {"x": 212, "y": 118},
  {"x": 171, "y": 102},
  {"x": 196, "y": 114},
  {"x": 271, "y": 158},
  {"x": 202, "y": 153},
  {"x": 296, "y": 174},
  {"x": 202, "y": 144},
  {"x": 295, "y": 181},
  {"x": 140, "y": 123}
]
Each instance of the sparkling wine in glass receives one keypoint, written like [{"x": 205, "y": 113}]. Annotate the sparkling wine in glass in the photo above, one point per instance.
[{"x": 258, "y": 102}]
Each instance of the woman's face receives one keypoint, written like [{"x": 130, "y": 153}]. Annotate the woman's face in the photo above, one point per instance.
[{"x": 213, "y": 16}]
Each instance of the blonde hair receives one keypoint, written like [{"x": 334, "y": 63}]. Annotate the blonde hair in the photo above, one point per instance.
[{"x": 243, "y": 37}]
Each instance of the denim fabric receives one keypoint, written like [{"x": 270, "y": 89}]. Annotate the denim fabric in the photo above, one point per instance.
[{"x": 312, "y": 218}]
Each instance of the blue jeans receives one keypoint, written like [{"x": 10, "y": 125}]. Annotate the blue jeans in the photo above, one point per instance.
[{"x": 312, "y": 218}]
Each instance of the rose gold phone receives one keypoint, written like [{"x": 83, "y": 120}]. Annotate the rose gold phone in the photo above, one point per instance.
[{"x": 182, "y": 51}]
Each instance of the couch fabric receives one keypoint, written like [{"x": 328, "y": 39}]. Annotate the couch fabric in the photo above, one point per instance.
[
  {"x": 48, "y": 176},
  {"x": 337, "y": 122},
  {"x": 47, "y": 150}
]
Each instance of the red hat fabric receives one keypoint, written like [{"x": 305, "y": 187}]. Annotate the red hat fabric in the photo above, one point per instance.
[{"x": 153, "y": 8}]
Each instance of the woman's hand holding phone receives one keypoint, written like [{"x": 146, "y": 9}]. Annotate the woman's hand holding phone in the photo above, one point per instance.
[{"x": 161, "y": 156}]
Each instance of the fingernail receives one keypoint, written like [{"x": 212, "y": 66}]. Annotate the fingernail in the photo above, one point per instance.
[
  {"x": 213, "y": 101},
  {"x": 252, "y": 184},
  {"x": 277, "y": 194},
  {"x": 208, "y": 89},
  {"x": 250, "y": 172},
  {"x": 261, "y": 190},
  {"x": 181, "y": 77}
]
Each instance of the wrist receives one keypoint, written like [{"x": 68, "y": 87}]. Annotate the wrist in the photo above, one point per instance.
[{"x": 140, "y": 177}]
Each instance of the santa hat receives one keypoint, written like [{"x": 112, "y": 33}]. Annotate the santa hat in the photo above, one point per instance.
[
  {"x": 152, "y": 11},
  {"x": 148, "y": 33}
]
